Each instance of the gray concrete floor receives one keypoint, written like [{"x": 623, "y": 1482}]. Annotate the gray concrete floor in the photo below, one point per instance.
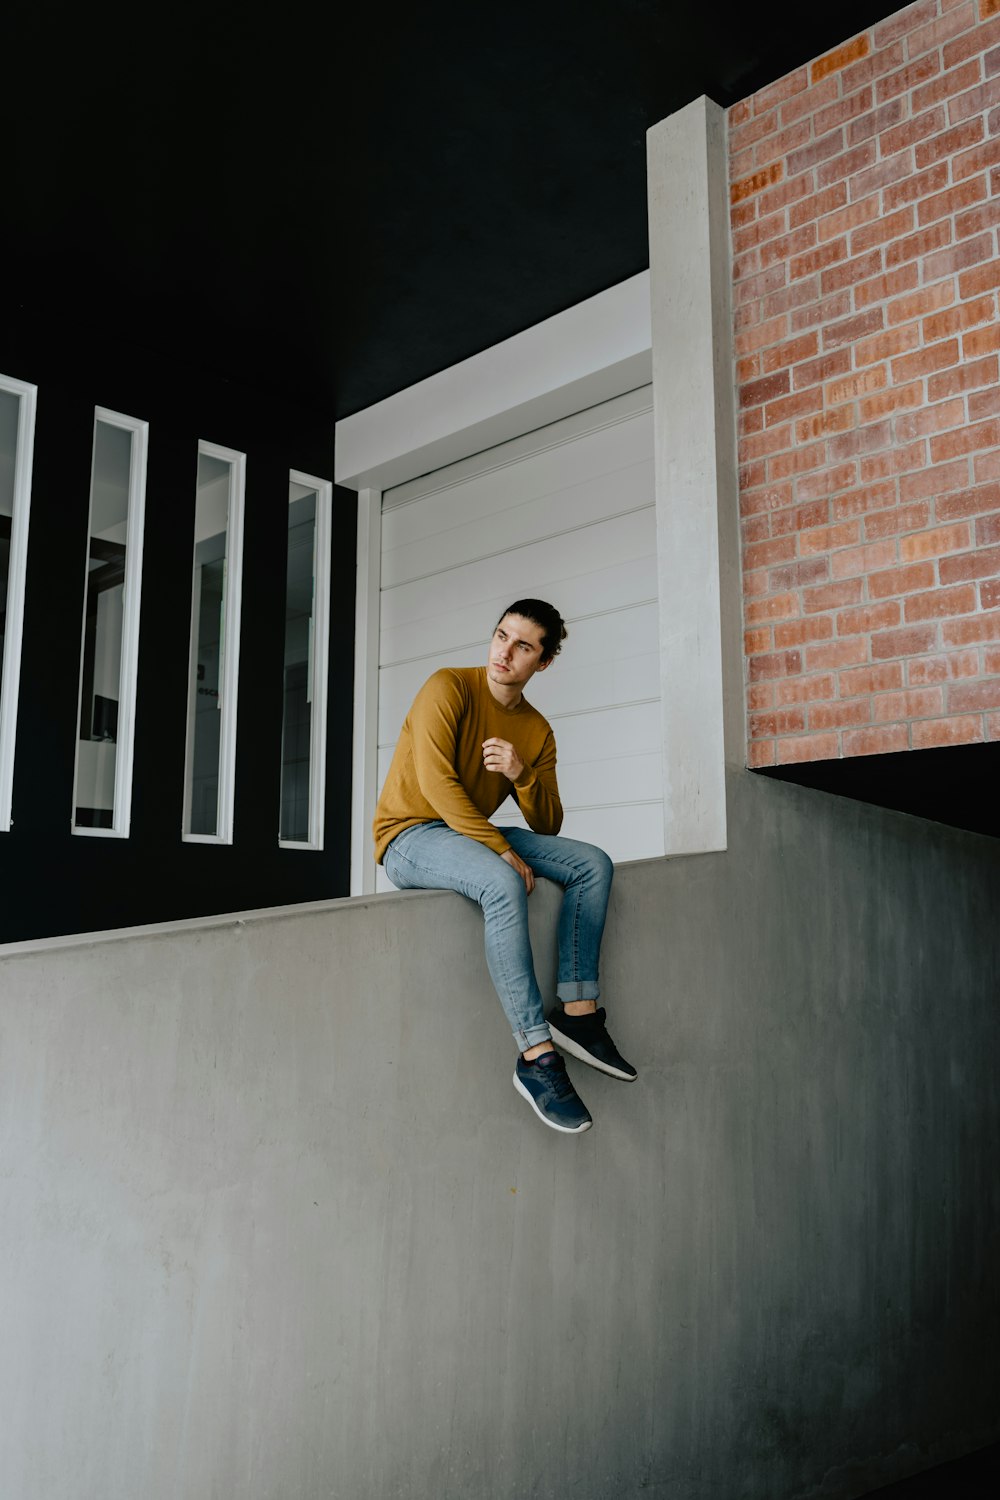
[{"x": 975, "y": 1477}]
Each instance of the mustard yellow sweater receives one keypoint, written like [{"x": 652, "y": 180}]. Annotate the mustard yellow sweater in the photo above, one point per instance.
[{"x": 437, "y": 770}]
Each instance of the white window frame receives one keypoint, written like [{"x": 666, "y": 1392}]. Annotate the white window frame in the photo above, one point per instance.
[
  {"x": 17, "y": 571},
  {"x": 319, "y": 664},
  {"x": 121, "y": 817},
  {"x": 230, "y": 646}
]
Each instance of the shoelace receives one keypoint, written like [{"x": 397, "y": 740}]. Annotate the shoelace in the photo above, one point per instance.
[{"x": 562, "y": 1085}]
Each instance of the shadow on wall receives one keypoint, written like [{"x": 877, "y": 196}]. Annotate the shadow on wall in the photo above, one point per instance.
[{"x": 955, "y": 784}]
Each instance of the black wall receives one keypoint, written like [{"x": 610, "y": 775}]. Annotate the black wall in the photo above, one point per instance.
[{"x": 52, "y": 881}]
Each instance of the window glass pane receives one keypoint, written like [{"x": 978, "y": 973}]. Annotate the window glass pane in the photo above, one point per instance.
[
  {"x": 10, "y": 406},
  {"x": 296, "y": 728},
  {"x": 17, "y": 435},
  {"x": 214, "y": 646},
  {"x": 101, "y": 669}
]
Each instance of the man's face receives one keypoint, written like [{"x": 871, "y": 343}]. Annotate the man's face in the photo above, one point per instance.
[{"x": 515, "y": 652}]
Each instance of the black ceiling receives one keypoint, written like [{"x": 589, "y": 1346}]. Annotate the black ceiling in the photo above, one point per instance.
[{"x": 342, "y": 203}]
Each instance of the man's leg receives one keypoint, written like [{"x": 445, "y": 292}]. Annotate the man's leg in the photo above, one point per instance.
[
  {"x": 585, "y": 873},
  {"x": 432, "y": 856}
]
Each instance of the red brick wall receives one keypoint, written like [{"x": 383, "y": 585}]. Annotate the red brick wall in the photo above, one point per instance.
[{"x": 865, "y": 211}]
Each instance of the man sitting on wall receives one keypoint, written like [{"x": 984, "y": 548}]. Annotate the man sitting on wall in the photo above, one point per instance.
[{"x": 469, "y": 740}]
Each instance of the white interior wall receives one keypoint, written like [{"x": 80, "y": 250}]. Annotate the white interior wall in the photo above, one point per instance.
[
  {"x": 95, "y": 774},
  {"x": 212, "y": 511},
  {"x": 108, "y": 652},
  {"x": 109, "y": 487},
  {"x": 566, "y": 513}
]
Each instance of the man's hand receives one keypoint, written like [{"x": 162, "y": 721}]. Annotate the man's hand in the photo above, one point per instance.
[
  {"x": 526, "y": 873},
  {"x": 500, "y": 755}
]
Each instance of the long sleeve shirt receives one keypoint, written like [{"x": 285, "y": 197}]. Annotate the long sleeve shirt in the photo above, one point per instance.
[{"x": 437, "y": 769}]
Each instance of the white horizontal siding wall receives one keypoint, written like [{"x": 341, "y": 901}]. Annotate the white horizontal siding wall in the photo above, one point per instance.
[{"x": 566, "y": 513}]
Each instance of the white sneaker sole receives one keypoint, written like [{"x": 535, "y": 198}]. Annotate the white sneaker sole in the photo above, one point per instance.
[
  {"x": 564, "y": 1129},
  {"x": 566, "y": 1044}
]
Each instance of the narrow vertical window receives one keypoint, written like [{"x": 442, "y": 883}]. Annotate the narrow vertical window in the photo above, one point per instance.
[
  {"x": 17, "y": 439},
  {"x": 102, "y": 795},
  {"x": 213, "y": 677},
  {"x": 307, "y": 613}
]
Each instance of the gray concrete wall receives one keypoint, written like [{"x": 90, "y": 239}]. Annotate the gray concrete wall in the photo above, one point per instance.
[{"x": 275, "y": 1225}]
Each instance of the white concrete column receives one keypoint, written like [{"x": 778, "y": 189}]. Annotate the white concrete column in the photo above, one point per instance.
[
  {"x": 697, "y": 498},
  {"x": 366, "y": 655}
]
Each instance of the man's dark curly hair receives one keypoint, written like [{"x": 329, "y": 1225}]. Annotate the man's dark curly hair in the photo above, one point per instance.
[{"x": 548, "y": 617}]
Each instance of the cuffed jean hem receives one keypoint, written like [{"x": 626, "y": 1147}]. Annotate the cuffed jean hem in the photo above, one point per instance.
[
  {"x": 531, "y": 1038},
  {"x": 578, "y": 989}
]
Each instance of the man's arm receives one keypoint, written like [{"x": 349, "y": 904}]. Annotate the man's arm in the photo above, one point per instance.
[
  {"x": 434, "y": 719},
  {"x": 535, "y": 787}
]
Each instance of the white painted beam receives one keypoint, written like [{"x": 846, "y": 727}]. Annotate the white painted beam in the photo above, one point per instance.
[{"x": 580, "y": 357}]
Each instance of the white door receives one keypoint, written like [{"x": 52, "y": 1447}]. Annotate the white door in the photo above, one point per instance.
[{"x": 565, "y": 513}]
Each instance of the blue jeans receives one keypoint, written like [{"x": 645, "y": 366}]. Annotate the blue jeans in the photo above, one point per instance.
[{"x": 432, "y": 856}]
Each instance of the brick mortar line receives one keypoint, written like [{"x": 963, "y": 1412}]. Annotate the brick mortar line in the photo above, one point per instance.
[
  {"x": 884, "y": 290},
  {"x": 881, "y": 729}
]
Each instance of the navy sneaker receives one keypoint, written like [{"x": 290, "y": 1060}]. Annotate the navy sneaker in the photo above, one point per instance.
[
  {"x": 586, "y": 1037},
  {"x": 546, "y": 1086}
]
